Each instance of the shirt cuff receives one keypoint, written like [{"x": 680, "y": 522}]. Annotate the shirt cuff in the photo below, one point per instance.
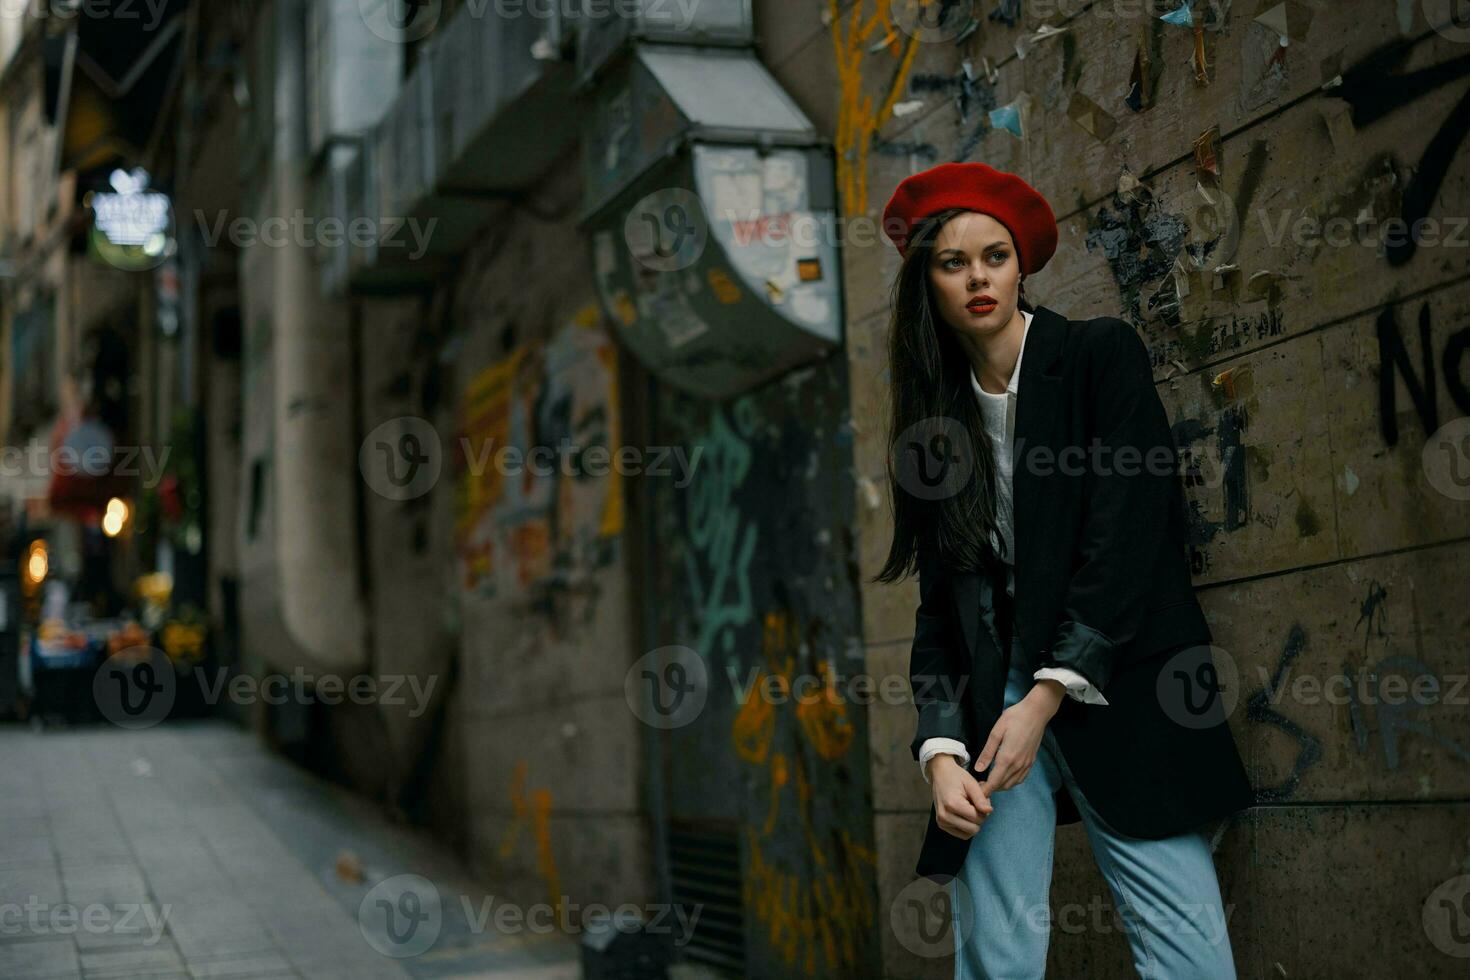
[
  {"x": 937, "y": 746},
  {"x": 1078, "y": 687}
]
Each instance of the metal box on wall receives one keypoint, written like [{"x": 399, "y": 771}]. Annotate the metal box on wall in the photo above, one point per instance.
[
  {"x": 604, "y": 28},
  {"x": 712, "y": 214}
]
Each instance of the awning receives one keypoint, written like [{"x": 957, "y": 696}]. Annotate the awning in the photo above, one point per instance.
[
  {"x": 118, "y": 75},
  {"x": 84, "y": 473}
]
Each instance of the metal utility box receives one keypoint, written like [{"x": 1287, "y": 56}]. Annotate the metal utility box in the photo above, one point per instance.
[
  {"x": 605, "y": 28},
  {"x": 711, "y": 209}
]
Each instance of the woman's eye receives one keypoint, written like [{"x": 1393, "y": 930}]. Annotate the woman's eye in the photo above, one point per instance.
[
  {"x": 1001, "y": 254},
  {"x": 953, "y": 258}
]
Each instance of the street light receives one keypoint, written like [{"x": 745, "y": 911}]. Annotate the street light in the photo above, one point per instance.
[{"x": 115, "y": 517}]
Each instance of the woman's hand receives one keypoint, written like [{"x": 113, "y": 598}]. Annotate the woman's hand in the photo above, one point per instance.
[
  {"x": 1016, "y": 737},
  {"x": 960, "y": 805}
]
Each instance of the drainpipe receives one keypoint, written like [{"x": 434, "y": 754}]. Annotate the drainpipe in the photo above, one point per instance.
[{"x": 315, "y": 454}]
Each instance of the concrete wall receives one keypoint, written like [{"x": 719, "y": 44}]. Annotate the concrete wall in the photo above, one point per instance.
[
  {"x": 1321, "y": 548},
  {"x": 553, "y": 773},
  {"x": 1297, "y": 376}
]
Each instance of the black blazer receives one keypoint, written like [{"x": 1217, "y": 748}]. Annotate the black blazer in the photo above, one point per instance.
[{"x": 1102, "y": 586}]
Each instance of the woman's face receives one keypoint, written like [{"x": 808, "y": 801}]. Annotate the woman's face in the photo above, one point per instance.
[{"x": 975, "y": 273}]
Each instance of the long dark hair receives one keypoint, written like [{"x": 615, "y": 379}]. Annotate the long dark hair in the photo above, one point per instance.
[{"x": 932, "y": 410}]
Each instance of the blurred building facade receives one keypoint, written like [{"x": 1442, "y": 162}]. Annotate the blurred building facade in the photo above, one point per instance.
[{"x": 401, "y": 241}]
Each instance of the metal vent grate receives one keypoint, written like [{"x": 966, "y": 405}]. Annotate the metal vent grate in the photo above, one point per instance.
[{"x": 704, "y": 863}]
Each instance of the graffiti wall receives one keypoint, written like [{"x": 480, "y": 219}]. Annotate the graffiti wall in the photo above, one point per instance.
[
  {"x": 1275, "y": 197},
  {"x": 533, "y": 520},
  {"x": 754, "y": 571}
]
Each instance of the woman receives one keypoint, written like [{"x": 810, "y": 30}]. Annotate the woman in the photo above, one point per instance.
[{"x": 1061, "y": 665}]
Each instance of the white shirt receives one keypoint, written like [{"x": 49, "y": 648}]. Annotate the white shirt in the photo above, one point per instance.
[{"x": 999, "y": 413}]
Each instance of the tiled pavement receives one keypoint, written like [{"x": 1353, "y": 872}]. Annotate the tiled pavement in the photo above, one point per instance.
[{"x": 189, "y": 850}]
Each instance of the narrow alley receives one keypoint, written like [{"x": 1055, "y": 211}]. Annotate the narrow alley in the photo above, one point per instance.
[
  {"x": 609, "y": 489},
  {"x": 193, "y": 851}
]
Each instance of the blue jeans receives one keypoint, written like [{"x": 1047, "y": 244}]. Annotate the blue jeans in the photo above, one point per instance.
[{"x": 1165, "y": 891}]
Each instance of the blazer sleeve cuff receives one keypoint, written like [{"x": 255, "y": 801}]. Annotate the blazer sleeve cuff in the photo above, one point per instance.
[
  {"x": 1081, "y": 648},
  {"x": 939, "y": 719},
  {"x": 940, "y": 746},
  {"x": 1078, "y": 687}
]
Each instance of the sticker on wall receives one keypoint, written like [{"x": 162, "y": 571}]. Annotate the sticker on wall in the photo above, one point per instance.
[
  {"x": 1289, "y": 20},
  {"x": 736, "y": 196},
  {"x": 811, "y": 306},
  {"x": 1207, "y": 152},
  {"x": 1011, "y": 118},
  {"x": 1026, "y": 42},
  {"x": 622, "y": 305},
  {"x": 785, "y": 183},
  {"x": 666, "y": 306},
  {"x": 1140, "y": 88},
  {"x": 724, "y": 288},
  {"x": 1091, "y": 117},
  {"x": 930, "y": 22},
  {"x": 1180, "y": 16}
]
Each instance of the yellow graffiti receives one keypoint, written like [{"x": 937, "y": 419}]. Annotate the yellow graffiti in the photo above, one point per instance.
[
  {"x": 832, "y": 911},
  {"x": 754, "y": 727},
  {"x": 824, "y": 717},
  {"x": 857, "y": 121},
  {"x": 536, "y": 813},
  {"x": 724, "y": 287},
  {"x": 516, "y": 531},
  {"x": 830, "y": 914},
  {"x": 611, "y": 523}
]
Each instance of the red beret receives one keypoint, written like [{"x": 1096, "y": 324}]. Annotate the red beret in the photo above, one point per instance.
[{"x": 975, "y": 187}]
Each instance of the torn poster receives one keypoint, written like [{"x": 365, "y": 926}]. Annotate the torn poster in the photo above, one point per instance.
[
  {"x": 1181, "y": 16},
  {"x": 1011, "y": 117},
  {"x": 1091, "y": 116}
]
